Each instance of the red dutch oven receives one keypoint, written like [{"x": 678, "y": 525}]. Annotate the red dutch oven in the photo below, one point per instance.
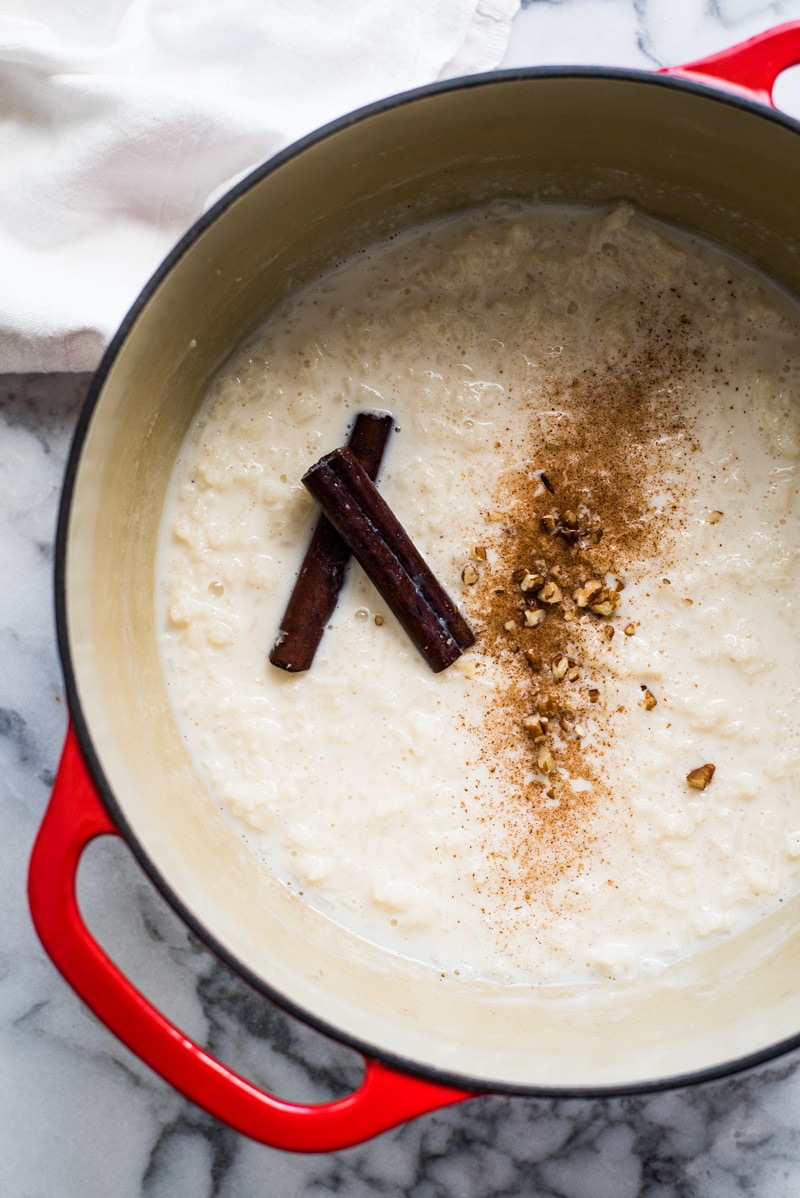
[{"x": 699, "y": 145}]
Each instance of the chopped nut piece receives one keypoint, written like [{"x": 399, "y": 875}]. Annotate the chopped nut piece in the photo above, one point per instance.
[
  {"x": 701, "y": 777},
  {"x": 531, "y": 582},
  {"x": 533, "y": 617},
  {"x": 545, "y": 761},
  {"x": 510, "y": 625},
  {"x": 594, "y": 694},
  {"x": 713, "y": 517},
  {"x": 580, "y": 731},
  {"x": 550, "y": 592},
  {"x": 588, "y": 592},
  {"x": 495, "y": 517},
  {"x": 608, "y": 632},
  {"x": 650, "y": 700},
  {"x": 565, "y": 725},
  {"x": 603, "y": 608},
  {"x": 546, "y": 482},
  {"x": 533, "y": 660},
  {"x": 548, "y": 706},
  {"x": 468, "y": 667},
  {"x": 574, "y": 526},
  {"x": 379, "y": 619},
  {"x": 470, "y": 574},
  {"x": 606, "y": 603},
  {"x": 534, "y": 725},
  {"x": 573, "y": 673},
  {"x": 559, "y": 667},
  {"x": 630, "y": 630},
  {"x": 478, "y": 553}
]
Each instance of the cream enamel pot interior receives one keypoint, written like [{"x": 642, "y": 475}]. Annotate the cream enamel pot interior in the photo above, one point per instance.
[{"x": 716, "y": 160}]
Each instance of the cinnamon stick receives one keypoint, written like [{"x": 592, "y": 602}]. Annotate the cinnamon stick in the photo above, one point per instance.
[
  {"x": 355, "y": 507},
  {"x": 322, "y": 573}
]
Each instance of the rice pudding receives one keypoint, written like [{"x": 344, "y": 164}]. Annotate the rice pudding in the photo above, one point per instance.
[{"x": 596, "y": 450}]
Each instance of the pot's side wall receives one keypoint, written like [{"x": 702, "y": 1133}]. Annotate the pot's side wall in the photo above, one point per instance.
[{"x": 715, "y": 167}]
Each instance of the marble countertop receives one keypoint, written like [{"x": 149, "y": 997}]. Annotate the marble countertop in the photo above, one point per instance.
[{"x": 80, "y": 1117}]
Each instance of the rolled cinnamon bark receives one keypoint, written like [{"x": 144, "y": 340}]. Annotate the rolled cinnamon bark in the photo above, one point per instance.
[
  {"x": 355, "y": 507},
  {"x": 322, "y": 573}
]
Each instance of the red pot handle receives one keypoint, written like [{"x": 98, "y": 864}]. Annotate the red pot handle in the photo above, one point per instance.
[
  {"x": 751, "y": 67},
  {"x": 75, "y": 816}
]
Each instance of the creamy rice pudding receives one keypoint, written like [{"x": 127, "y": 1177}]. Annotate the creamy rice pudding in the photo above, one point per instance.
[{"x": 596, "y": 450}]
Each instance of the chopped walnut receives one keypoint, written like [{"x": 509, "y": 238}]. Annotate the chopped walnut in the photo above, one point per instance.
[
  {"x": 588, "y": 592},
  {"x": 630, "y": 630},
  {"x": 535, "y": 727},
  {"x": 534, "y": 660},
  {"x": 478, "y": 553},
  {"x": 606, "y": 603},
  {"x": 546, "y": 761},
  {"x": 470, "y": 574},
  {"x": 650, "y": 700},
  {"x": 574, "y": 526},
  {"x": 550, "y": 592},
  {"x": 467, "y": 665},
  {"x": 594, "y": 694},
  {"x": 533, "y": 617},
  {"x": 510, "y": 625},
  {"x": 701, "y": 777},
  {"x": 559, "y": 667},
  {"x": 531, "y": 582}
]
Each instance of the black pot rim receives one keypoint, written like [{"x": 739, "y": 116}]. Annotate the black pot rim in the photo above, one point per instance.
[{"x": 80, "y": 725}]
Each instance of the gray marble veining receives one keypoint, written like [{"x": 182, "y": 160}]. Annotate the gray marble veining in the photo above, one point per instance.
[{"x": 80, "y": 1117}]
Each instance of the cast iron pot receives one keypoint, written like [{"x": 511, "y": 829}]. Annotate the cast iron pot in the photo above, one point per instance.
[{"x": 700, "y": 146}]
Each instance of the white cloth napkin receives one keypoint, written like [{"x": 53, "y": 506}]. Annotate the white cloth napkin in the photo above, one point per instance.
[{"x": 120, "y": 121}]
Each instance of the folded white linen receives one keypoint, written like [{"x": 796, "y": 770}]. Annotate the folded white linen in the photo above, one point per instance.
[{"x": 121, "y": 120}]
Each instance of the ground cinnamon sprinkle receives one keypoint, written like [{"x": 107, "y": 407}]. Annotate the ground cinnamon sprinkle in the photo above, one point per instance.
[{"x": 578, "y": 517}]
